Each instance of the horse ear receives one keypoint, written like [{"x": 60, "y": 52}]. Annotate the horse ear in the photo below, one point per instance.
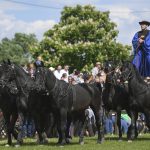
[
  {"x": 4, "y": 61},
  {"x": 9, "y": 62}
]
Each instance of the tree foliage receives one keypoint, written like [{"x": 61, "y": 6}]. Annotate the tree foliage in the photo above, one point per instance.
[
  {"x": 18, "y": 49},
  {"x": 83, "y": 36}
]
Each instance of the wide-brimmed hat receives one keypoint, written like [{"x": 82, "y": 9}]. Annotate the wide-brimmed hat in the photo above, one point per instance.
[
  {"x": 98, "y": 63},
  {"x": 144, "y": 22},
  {"x": 51, "y": 68}
]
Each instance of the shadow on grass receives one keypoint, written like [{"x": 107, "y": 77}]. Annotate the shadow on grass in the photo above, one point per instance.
[
  {"x": 107, "y": 138},
  {"x": 33, "y": 143}
]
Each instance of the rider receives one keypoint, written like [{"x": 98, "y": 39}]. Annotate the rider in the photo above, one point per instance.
[
  {"x": 39, "y": 62},
  {"x": 141, "y": 46}
]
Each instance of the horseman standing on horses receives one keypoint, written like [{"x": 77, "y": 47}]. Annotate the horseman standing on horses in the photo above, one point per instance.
[{"x": 141, "y": 46}]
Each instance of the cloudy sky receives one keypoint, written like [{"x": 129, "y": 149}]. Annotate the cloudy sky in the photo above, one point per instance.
[{"x": 37, "y": 16}]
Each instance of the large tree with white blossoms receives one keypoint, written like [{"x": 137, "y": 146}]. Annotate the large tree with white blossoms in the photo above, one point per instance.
[{"x": 83, "y": 36}]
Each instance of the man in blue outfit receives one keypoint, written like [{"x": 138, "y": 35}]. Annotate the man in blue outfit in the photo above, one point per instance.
[{"x": 141, "y": 46}]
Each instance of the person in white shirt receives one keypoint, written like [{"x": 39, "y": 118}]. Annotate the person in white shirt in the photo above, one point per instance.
[
  {"x": 57, "y": 72},
  {"x": 65, "y": 70},
  {"x": 96, "y": 69},
  {"x": 64, "y": 77}
]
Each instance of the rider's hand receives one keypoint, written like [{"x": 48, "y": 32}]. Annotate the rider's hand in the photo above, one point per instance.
[{"x": 141, "y": 40}]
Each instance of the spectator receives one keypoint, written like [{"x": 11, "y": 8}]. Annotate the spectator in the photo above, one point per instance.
[
  {"x": 39, "y": 62},
  {"x": 80, "y": 78},
  {"x": 65, "y": 70},
  {"x": 91, "y": 121},
  {"x": 108, "y": 124},
  {"x": 52, "y": 69},
  {"x": 71, "y": 80},
  {"x": 75, "y": 74},
  {"x": 28, "y": 128},
  {"x": 96, "y": 69},
  {"x": 125, "y": 122},
  {"x": 64, "y": 77},
  {"x": 31, "y": 69},
  {"x": 57, "y": 72}
]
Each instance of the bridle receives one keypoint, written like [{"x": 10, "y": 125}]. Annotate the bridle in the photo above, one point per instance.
[{"x": 129, "y": 75}]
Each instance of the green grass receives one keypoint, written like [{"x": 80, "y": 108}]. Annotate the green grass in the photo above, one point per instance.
[{"x": 110, "y": 143}]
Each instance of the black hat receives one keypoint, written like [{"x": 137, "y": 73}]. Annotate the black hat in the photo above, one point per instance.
[{"x": 144, "y": 22}]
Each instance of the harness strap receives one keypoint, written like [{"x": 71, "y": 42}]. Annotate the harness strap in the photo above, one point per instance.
[{"x": 56, "y": 82}]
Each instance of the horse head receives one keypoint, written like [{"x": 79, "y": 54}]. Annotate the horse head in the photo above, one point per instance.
[
  {"x": 127, "y": 70},
  {"x": 109, "y": 69},
  {"x": 7, "y": 73},
  {"x": 40, "y": 79},
  {"x": 45, "y": 79},
  {"x": 6, "y": 77}
]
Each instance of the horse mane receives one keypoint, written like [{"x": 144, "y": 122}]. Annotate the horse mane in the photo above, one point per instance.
[
  {"x": 138, "y": 75},
  {"x": 25, "y": 82},
  {"x": 21, "y": 69}
]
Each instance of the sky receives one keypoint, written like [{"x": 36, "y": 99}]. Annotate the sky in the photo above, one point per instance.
[{"x": 37, "y": 16}]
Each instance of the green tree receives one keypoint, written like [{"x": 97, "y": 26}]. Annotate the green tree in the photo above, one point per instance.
[
  {"x": 83, "y": 36},
  {"x": 19, "y": 48}
]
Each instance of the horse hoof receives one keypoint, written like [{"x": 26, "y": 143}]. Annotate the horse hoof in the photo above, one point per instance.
[
  {"x": 61, "y": 146},
  {"x": 7, "y": 145},
  {"x": 100, "y": 141},
  {"x": 17, "y": 145},
  {"x": 45, "y": 141},
  {"x": 68, "y": 140},
  {"x": 82, "y": 143},
  {"x": 129, "y": 141}
]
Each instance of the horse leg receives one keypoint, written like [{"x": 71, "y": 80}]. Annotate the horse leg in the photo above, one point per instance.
[
  {"x": 68, "y": 137},
  {"x": 37, "y": 122},
  {"x": 119, "y": 124},
  {"x": 20, "y": 132},
  {"x": 59, "y": 133},
  {"x": 57, "y": 117},
  {"x": 147, "y": 117},
  {"x": 63, "y": 115},
  {"x": 84, "y": 123},
  {"x": 13, "y": 121},
  {"x": 7, "y": 120},
  {"x": 99, "y": 114},
  {"x": 136, "y": 130},
  {"x": 44, "y": 126},
  {"x": 131, "y": 128}
]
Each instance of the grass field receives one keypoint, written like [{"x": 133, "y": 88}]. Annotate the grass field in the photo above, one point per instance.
[{"x": 110, "y": 143}]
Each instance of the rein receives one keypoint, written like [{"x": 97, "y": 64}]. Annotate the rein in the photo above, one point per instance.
[{"x": 113, "y": 70}]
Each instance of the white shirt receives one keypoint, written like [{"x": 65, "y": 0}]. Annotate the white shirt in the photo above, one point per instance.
[
  {"x": 64, "y": 71},
  {"x": 95, "y": 71},
  {"x": 58, "y": 74},
  {"x": 91, "y": 114}
]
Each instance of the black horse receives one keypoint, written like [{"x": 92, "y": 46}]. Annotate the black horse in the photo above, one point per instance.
[
  {"x": 139, "y": 95},
  {"x": 31, "y": 102},
  {"x": 8, "y": 97},
  {"x": 71, "y": 98},
  {"x": 115, "y": 96}
]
